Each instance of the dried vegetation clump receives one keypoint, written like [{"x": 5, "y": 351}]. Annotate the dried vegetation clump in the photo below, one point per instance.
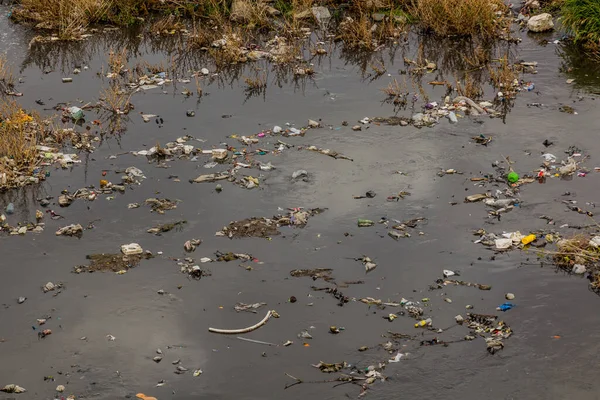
[
  {"x": 469, "y": 87},
  {"x": 237, "y": 31},
  {"x": 267, "y": 227},
  {"x": 397, "y": 93},
  {"x": 104, "y": 262},
  {"x": 7, "y": 80},
  {"x": 20, "y": 134},
  {"x": 69, "y": 18},
  {"x": 579, "y": 249},
  {"x": 484, "y": 19},
  {"x": 504, "y": 76},
  {"x": 361, "y": 33},
  {"x": 29, "y": 142},
  {"x": 579, "y": 254}
]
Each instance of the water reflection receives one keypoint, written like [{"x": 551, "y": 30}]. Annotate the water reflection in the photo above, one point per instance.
[
  {"x": 580, "y": 66},
  {"x": 461, "y": 66}
]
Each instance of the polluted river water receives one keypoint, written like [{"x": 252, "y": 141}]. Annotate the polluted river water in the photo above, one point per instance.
[{"x": 108, "y": 329}]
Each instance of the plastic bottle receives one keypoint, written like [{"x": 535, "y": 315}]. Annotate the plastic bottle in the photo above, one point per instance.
[
  {"x": 10, "y": 208},
  {"x": 528, "y": 239},
  {"x": 76, "y": 113},
  {"x": 422, "y": 323},
  {"x": 452, "y": 117}
]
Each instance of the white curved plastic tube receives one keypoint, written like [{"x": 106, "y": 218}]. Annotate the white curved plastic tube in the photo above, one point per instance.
[{"x": 243, "y": 330}]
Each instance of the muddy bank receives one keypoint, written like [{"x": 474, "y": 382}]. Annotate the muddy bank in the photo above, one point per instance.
[{"x": 155, "y": 306}]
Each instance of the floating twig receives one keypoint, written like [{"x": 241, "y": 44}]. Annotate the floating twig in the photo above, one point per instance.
[
  {"x": 256, "y": 341},
  {"x": 342, "y": 378}
]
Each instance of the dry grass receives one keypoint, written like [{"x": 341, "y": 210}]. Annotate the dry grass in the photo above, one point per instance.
[
  {"x": 575, "y": 250},
  {"x": 397, "y": 93},
  {"x": 378, "y": 68},
  {"x": 117, "y": 61},
  {"x": 143, "y": 67},
  {"x": 357, "y": 32},
  {"x": 373, "y": 5},
  {"x": 470, "y": 87},
  {"x": 115, "y": 99},
  {"x": 255, "y": 14},
  {"x": 202, "y": 35},
  {"x": 479, "y": 58},
  {"x": 285, "y": 50},
  {"x": 19, "y": 135},
  {"x": 69, "y": 17},
  {"x": 294, "y": 7},
  {"x": 503, "y": 76},
  {"x": 198, "y": 87},
  {"x": 360, "y": 32},
  {"x": 230, "y": 48},
  {"x": 167, "y": 25},
  {"x": 478, "y": 18},
  {"x": 256, "y": 83},
  {"x": 7, "y": 80}
]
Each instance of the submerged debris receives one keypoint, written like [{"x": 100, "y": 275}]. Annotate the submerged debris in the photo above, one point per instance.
[
  {"x": 487, "y": 327},
  {"x": 190, "y": 245},
  {"x": 49, "y": 287},
  {"x": 248, "y": 307},
  {"x": 318, "y": 273},
  {"x": 378, "y": 302},
  {"x": 212, "y": 177},
  {"x": 232, "y": 256},
  {"x": 367, "y": 263},
  {"x": 266, "y": 227},
  {"x": 118, "y": 263},
  {"x": 578, "y": 255},
  {"x": 12, "y": 388},
  {"x": 337, "y": 294},
  {"x": 330, "y": 153},
  {"x": 161, "y": 205},
  {"x": 193, "y": 270},
  {"x": 329, "y": 368},
  {"x": 162, "y": 228},
  {"x": 440, "y": 283},
  {"x": 70, "y": 230},
  {"x": 251, "y": 227}
]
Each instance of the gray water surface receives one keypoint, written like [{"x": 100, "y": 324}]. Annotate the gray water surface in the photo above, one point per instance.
[{"x": 533, "y": 365}]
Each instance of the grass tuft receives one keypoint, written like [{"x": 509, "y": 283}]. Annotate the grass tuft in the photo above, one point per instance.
[
  {"x": 504, "y": 76},
  {"x": 478, "y": 18},
  {"x": 7, "y": 80},
  {"x": 68, "y": 17},
  {"x": 582, "y": 19},
  {"x": 470, "y": 87},
  {"x": 20, "y": 133},
  {"x": 397, "y": 93}
]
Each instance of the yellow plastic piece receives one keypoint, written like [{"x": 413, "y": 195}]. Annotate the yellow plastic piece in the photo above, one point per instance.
[{"x": 528, "y": 239}]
